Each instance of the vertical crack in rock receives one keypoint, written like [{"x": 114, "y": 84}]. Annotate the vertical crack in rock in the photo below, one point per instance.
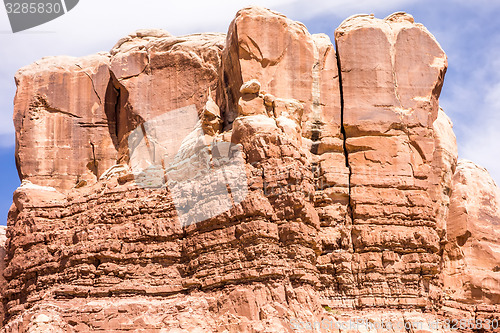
[
  {"x": 350, "y": 210},
  {"x": 92, "y": 82},
  {"x": 149, "y": 145},
  {"x": 231, "y": 79},
  {"x": 316, "y": 102},
  {"x": 125, "y": 117},
  {"x": 116, "y": 114},
  {"x": 94, "y": 161}
]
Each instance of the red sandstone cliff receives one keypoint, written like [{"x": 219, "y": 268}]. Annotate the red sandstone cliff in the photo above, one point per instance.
[{"x": 253, "y": 182}]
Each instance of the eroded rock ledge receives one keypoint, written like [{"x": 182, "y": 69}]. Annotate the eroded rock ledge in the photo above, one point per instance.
[{"x": 350, "y": 167}]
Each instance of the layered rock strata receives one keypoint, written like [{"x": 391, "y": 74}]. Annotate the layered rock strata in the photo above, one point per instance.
[{"x": 401, "y": 155}]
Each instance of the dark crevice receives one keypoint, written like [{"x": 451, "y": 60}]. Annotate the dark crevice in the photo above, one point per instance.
[
  {"x": 461, "y": 240},
  {"x": 93, "y": 165},
  {"x": 230, "y": 80},
  {"x": 407, "y": 325},
  {"x": 117, "y": 110},
  {"x": 121, "y": 117},
  {"x": 111, "y": 109},
  {"x": 342, "y": 127},
  {"x": 350, "y": 210}
]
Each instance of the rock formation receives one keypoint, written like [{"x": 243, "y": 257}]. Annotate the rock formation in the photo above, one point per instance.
[{"x": 260, "y": 181}]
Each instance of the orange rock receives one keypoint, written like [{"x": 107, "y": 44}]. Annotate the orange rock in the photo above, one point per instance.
[
  {"x": 61, "y": 105},
  {"x": 472, "y": 270},
  {"x": 338, "y": 211}
]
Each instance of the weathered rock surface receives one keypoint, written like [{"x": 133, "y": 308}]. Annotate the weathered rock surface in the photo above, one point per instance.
[
  {"x": 154, "y": 73},
  {"x": 400, "y": 161},
  {"x": 3, "y": 241},
  {"x": 343, "y": 214},
  {"x": 471, "y": 272},
  {"x": 64, "y": 133}
]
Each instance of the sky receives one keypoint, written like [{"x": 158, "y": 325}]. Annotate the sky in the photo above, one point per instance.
[{"x": 468, "y": 31}]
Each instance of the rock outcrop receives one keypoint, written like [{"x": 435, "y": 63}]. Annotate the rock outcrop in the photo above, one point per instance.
[
  {"x": 260, "y": 181},
  {"x": 471, "y": 257},
  {"x": 392, "y": 71}
]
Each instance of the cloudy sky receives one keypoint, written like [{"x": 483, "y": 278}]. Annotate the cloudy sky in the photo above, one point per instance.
[{"x": 469, "y": 32}]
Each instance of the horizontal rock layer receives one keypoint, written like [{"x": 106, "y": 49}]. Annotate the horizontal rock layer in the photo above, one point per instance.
[{"x": 246, "y": 182}]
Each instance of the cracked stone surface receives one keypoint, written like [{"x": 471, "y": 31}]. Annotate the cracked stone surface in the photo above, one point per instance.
[
  {"x": 392, "y": 71},
  {"x": 354, "y": 208},
  {"x": 471, "y": 256},
  {"x": 59, "y": 115}
]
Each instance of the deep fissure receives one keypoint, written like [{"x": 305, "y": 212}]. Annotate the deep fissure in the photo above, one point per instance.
[
  {"x": 94, "y": 161},
  {"x": 343, "y": 132}
]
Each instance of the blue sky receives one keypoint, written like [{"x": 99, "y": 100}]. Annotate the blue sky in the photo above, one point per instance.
[{"x": 468, "y": 31}]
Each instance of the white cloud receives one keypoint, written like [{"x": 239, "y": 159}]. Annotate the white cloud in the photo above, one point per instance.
[
  {"x": 482, "y": 142},
  {"x": 7, "y": 140},
  {"x": 471, "y": 94},
  {"x": 341, "y": 8}
]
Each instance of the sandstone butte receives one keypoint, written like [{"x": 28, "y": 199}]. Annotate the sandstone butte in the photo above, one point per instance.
[{"x": 355, "y": 206}]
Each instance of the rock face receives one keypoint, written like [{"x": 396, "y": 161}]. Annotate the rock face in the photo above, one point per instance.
[
  {"x": 400, "y": 164},
  {"x": 262, "y": 181},
  {"x": 154, "y": 73},
  {"x": 3, "y": 240},
  {"x": 63, "y": 129}
]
